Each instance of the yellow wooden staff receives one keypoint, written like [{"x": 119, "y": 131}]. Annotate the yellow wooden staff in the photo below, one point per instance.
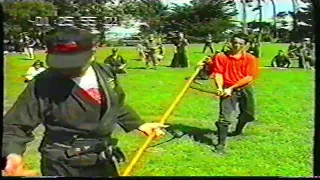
[{"x": 163, "y": 119}]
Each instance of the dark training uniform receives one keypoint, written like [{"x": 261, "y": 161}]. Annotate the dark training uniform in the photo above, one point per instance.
[
  {"x": 204, "y": 73},
  {"x": 151, "y": 54},
  {"x": 160, "y": 45},
  {"x": 180, "y": 57},
  {"x": 308, "y": 54},
  {"x": 208, "y": 44},
  {"x": 305, "y": 55},
  {"x": 116, "y": 63},
  {"x": 254, "y": 49},
  {"x": 292, "y": 50},
  {"x": 77, "y": 140},
  {"x": 280, "y": 61}
]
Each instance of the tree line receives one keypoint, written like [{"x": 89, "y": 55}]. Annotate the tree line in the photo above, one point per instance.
[{"x": 196, "y": 19}]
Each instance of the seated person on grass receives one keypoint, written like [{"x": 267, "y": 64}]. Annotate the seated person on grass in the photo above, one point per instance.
[
  {"x": 34, "y": 70},
  {"x": 309, "y": 58},
  {"x": 305, "y": 56},
  {"x": 116, "y": 61},
  {"x": 281, "y": 60},
  {"x": 292, "y": 50}
]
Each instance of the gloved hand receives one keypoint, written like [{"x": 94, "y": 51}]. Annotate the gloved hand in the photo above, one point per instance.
[
  {"x": 118, "y": 155},
  {"x": 113, "y": 153}
]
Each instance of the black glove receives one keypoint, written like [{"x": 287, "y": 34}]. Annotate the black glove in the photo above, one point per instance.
[
  {"x": 118, "y": 155},
  {"x": 113, "y": 153}
]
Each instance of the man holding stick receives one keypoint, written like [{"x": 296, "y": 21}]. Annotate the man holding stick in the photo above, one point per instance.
[{"x": 233, "y": 74}]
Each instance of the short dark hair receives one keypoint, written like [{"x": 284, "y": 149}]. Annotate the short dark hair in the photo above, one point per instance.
[
  {"x": 38, "y": 62},
  {"x": 241, "y": 36}
]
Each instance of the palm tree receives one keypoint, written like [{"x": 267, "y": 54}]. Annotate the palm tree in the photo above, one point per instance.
[
  {"x": 244, "y": 16},
  {"x": 260, "y": 18},
  {"x": 275, "y": 34},
  {"x": 259, "y": 8},
  {"x": 293, "y": 15}
]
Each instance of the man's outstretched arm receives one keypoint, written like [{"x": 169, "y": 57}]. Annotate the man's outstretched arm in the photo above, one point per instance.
[{"x": 19, "y": 122}]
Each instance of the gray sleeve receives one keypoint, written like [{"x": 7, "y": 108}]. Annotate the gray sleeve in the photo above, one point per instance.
[{"x": 19, "y": 122}]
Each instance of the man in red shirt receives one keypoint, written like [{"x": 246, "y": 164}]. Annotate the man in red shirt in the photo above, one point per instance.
[{"x": 233, "y": 75}]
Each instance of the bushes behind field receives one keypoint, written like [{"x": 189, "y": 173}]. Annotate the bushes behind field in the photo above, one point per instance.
[{"x": 194, "y": 39}]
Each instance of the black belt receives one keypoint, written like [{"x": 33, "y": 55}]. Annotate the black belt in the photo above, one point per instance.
[
  {"x": 76, "y": 144},
  {"x": 79, "y": 149}
]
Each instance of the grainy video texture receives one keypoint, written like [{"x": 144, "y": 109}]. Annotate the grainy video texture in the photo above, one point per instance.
[{"x": 216, "y": 87}]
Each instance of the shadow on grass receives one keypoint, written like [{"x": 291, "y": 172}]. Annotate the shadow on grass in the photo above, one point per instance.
[
  {"x": 205, "y": 90},
  {"x": 136, "y": 59},
  {"x": 194, "y": 133},
  {"x": 145, "y": 67},
  {"x": 136, "y": 68},
  {"x": 282, "y": 68},
  {"x": 23, "y": 58}
]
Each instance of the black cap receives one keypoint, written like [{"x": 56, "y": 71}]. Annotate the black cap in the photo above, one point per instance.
[
  {"x": 69, "y": 47},
  {"x": 59, "y": 38}
]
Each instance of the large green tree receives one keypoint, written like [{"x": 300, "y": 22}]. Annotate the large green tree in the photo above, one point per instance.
[
  {"x": 283, "y": 28},
  {"x": 245, "y": 4},
  {"x": 18, "y": 16},
  {"x": 152, "y": 12},
  {"x": 305, "y": 21},
  {"x": 201, "y": 17}
]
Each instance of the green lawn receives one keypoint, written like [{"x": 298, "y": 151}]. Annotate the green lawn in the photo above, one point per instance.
[{"x": 279, "y": 143}]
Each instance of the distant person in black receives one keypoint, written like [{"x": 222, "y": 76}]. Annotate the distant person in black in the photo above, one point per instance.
[
  {"x": 254, "y": 48},
  {"x": 281, "y": 60},
  {"x": 306, "y": 55},
  {"x": 10, "y": 44},
  {"x": 116, "y": 61},
  {"x": 292, "y": 50},
  {"x": 208, "y": 44},
  {"x": 29, "y": 45},
  {"x": 180, "y": 58}
]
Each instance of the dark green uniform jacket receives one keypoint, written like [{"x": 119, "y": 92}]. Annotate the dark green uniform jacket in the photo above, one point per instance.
[
  {"x": 65, "y": 111},
  {"x": 115, "y": 62},
  {"x": 208, "y": 39},
  {"x": 152, "y": 46}
]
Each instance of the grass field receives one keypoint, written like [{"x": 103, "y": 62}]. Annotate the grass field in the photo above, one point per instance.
[{"x": 278, "y": 143}]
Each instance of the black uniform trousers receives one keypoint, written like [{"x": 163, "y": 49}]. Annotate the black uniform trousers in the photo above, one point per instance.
[
  {"x": 245, "y": 97},
  {"x": 208, "y": 45},
  {"x": 60, "y": 168}
]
